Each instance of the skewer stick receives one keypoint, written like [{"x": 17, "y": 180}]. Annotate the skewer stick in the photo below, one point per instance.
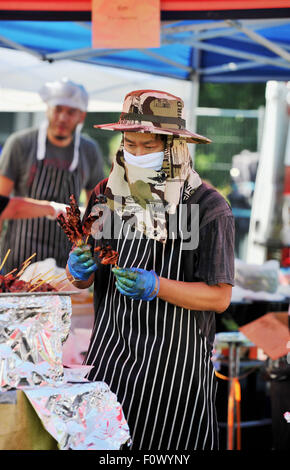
[
  {"x": 5, "y": 258},
  {"x": 41, "y": 275},
  {"x": 38, "y": 284},
  {"x": 60, "y": 281},
  {"x": 54, "y": 278},
  {"x": 22, "y": 270},
  {"x": 72, "y": 281},
  {"x": 30, "y": 257},
  {"x": 65, "y": 287},
  {"x": 59, "y": 275},
  {"x": 11, "y": 272},
  {"x": 25, "y": 264},
  {"x": 42, "y": 281}
]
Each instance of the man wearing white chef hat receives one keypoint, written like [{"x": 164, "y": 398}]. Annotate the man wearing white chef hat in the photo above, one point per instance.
[{"x": 48, "y": 163}]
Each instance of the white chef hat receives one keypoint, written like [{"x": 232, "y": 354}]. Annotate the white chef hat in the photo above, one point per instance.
[{"x": 65, "y": 92}]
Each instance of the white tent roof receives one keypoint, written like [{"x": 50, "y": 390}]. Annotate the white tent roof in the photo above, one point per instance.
[{"x": 22, "y": 75}]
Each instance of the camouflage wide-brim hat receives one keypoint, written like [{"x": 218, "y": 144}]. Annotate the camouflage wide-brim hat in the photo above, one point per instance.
[{"x": 156, "y": 112}]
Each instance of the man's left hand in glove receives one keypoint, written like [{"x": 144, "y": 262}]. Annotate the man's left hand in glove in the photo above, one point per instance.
[{"x": 136, "y": 283}]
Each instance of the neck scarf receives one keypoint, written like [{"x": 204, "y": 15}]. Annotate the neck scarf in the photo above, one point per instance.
[{"x": 146, "y": 196}]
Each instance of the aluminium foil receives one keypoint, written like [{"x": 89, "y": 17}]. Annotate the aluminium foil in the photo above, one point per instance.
[
  {"x": 81, "y": 416},
  {"x": 33, "y": 328}
]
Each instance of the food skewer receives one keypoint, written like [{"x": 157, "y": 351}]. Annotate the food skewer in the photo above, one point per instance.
[
  {"x": 61, "y": 280},
  {"x": 5, "y": 258},
  {"x": 11, "y": 272},
  {"x": 79, "y": 233},
  {"x": 10, "y": 283},
  {"x": 40, "y": 283},
  {"x": 49, "y": 279},
  {"x": 25, "y": 264},
  {"x": 40, "y": 275},
  {"x": 107, "y": 255}
]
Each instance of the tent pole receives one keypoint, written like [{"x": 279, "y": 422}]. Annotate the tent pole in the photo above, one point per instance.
[
  {"x": 20, "y": 47},
  {"x": 194, "y": 98},
  {"x": 264, "y": 60},
  {"x": 261, "y": 40}
]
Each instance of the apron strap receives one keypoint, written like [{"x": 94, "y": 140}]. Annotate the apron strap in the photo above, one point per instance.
[
  {"x": 41, "y": 140},
  {"x": 75, "y": 160}
]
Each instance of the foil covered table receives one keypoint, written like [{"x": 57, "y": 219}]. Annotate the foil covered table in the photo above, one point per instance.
[
  {"x": 78, "y": 414},
  {"x": 81, "y": 416},
  {"x": 33, "y": 327}
]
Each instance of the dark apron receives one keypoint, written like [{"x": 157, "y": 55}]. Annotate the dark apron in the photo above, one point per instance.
[
  {"x": 154, "y": 356},
  {"x": 40, "y": 235}
]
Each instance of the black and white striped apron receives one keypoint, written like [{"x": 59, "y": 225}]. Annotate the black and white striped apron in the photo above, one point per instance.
[
  {"x": 41, "y": 235},
  {"x": 153, "y": 355}
]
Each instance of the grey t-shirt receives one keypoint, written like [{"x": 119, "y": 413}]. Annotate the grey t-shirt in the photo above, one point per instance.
[{"x": 19, "y": 156}]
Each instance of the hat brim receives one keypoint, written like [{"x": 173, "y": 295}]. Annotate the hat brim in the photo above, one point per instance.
[{"x": 190, "y": 137}]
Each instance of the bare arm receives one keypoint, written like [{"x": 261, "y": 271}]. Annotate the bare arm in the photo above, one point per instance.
[
  {"x": 6, "y": 185},
  {"x": 196, "y": 295},
  {"x": 24, "y": 208},
  {"x": 189, "y": 295}
]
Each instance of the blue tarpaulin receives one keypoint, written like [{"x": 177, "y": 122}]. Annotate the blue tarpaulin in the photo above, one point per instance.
[{"x": 247, "y": 50}]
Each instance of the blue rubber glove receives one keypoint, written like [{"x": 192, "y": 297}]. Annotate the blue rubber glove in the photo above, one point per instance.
[
  {"x": 80, "y": 263},
  {"x": 137, "y": 283}
]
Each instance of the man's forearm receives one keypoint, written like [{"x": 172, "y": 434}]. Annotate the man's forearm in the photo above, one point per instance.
[
  {"x": 25, "y": 208},
  {"x": 195, "y": 295}
]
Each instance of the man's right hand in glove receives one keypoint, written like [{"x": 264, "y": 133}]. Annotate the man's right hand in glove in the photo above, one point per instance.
[{"x": 81, "y": 265}]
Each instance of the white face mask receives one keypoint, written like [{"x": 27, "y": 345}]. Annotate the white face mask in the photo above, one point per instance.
[{"x": 150, "y": 160}]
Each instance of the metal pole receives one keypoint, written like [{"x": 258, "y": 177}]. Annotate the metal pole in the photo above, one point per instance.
[
  {"x": 194, "y": 98},
  {"x": 231, "y": 367}
]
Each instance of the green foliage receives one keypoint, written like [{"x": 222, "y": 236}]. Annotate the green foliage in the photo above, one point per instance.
[
  {"x": 107, "y": 140},
  {"x": 210, "y": 170},
  {"x": 229, "y": 135},
  {"x": 204, "y": 162},
  {"x": 232, "y": 95}
]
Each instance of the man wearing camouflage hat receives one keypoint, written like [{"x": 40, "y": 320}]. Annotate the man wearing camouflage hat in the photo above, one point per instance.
[
  {"x": 49, "y": 162},
  {"x": 155, "y": 312}
]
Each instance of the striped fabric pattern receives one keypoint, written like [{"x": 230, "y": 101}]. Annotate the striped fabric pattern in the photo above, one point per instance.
[
  {"x": 154, "y": 355},
  {"x": 47, "y": 179},
  {"x": 41, "y": 235}
]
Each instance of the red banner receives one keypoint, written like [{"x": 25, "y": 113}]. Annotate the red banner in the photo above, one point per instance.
[
  {"x": 165, "y": 5},
  {"x": 211, "y": 5},
  {"x": 125, "y": 24}
]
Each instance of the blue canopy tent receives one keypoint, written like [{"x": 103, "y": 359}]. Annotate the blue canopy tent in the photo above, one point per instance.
[
  {"x": 199, "y": 43},
  {"x": 214, "y": 50}
]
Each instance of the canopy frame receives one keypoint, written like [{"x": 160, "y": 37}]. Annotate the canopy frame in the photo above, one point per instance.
[{"x": 200, "y": 33}]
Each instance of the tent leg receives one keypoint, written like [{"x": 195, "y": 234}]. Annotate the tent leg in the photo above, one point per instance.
[{"x": 193, "y": 100}]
